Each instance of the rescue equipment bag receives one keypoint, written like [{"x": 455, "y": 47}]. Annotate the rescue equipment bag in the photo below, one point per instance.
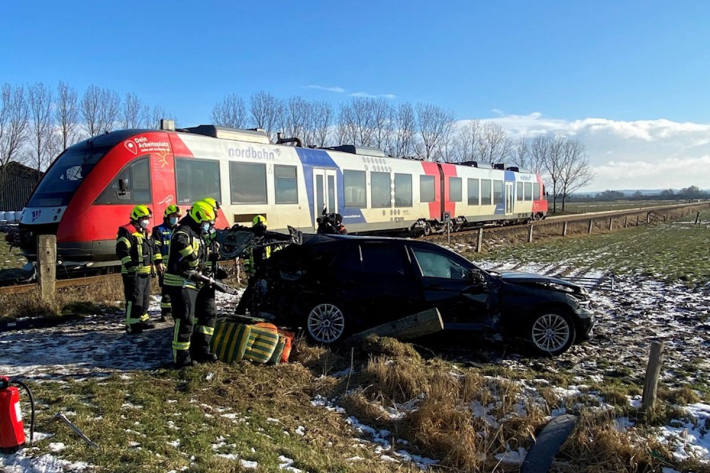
[
  {"x": 261, "y": 344},
  {"x": 287, "y": 341},
  {"x": 230, "y": 340}
]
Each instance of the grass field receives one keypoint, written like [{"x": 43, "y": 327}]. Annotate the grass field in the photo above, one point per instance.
[
  {"x": 10, "y": 258},
  {"x": 679, "y": 251},
  {"x": 575, "y": 207},
  {"x": 470, "y": 404}
]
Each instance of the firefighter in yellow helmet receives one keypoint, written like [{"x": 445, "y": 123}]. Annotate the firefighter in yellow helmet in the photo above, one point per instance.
[
  {"x": 254, "y": 265},
  {"x": 161, "y": 241},
  {"x": 193, "y": 305},
  {"x": 135, "y": 250}
]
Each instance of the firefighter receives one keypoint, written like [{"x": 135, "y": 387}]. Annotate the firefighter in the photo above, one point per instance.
[
  {"x": 254, "y": 266},
  {"x": 135, "y": 250},
  {"x": 190, "y": 298},
  {"x": 161, "y": 241}
]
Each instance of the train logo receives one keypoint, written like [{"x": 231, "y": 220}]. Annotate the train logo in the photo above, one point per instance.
[{"x": 131, "y": 146}]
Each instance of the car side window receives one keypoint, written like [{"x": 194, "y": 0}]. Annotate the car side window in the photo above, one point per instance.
[
  {"x": 383, "y": 258},
  {"x": 436, "y": 265}
]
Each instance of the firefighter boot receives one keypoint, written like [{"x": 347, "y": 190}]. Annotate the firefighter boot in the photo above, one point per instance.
[{"x": 183, "y": 359}]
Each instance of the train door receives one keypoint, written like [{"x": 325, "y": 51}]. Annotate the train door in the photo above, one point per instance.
[
  {"x": 325, "y": 192},
  {"x": 509, "y": 198}
]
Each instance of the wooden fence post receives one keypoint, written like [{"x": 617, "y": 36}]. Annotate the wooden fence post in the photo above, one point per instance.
[
  {"x": 648, "y": 217},
  {"x": 697, "y": 217},
  {"x": 611, "y": 223},
  {"x": 626, "y": 221},
  {"x": 653, "y": 372},
  {"x": 564, "y": 229},
  {"x": 637, "y": 220},
  {"x": 479, "y": 240},
  {"x": 47, "y": 257},
  {"x": 589, "y": 227},
  {"x": 530, "y": 234}
]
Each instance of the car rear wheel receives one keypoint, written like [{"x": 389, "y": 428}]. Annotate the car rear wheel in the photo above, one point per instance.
[
  {"x": 552, "y": 332},
  {"x": 326, "y": 323}
]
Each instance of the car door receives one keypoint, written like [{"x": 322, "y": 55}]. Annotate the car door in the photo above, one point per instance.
[
  {"x": 387, "y": 283},
  {"x": 447, "y": 285}
]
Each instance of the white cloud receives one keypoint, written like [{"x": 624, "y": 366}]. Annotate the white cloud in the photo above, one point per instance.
[
  {"x": 336, "y": 89},
  {"x": 373, "y": 96},
  {"x": 648, "y": 154}
]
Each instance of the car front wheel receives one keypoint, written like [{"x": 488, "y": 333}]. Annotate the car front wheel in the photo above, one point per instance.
[
  {"x": 326, "y": 323},
  {"x": 551, "y": 332}
]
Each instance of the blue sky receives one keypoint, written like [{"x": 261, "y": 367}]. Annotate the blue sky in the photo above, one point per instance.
[{"x": 620, "y": 61}]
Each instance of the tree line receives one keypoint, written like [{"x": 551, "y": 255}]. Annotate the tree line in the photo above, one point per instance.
[
  {"x": 690, "y": 193},
  {"x": 37, "y": 122},
  {"x": 422, "y": 131}
]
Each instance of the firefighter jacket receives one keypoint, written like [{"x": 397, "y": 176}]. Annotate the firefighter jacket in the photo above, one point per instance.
[
  {"x": 161, "y": 240},
  {"x": 135, "y": 250},
  {"x": 256, "y": 259},
  {"x": 188, "y": 252}
]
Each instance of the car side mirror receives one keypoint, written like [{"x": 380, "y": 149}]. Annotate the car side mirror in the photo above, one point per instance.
[{"x": 476, "y": 277}]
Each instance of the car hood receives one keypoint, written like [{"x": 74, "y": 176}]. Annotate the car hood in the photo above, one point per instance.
[{"x": 531, "y": 278}]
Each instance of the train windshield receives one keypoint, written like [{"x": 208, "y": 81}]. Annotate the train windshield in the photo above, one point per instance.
[{"x": 64, "y": 176}]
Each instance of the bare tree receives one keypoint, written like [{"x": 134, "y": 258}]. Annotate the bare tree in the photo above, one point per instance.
[
  {"x": 297, "y": 119},
  {"x": 434, "y": 125},
  {"x": 231, "y": 112},
  {"x": 382, "y": 118},
  {"x": 321, "y": 117},
  {"x": 66, "y": 114},
  {"x": 99, "y": 108},
  {"x": 494, "y": 146},
  {"x": 553, "y": 162},
  {"x": 152, "y": 116},
  {"x": 266, "y": 111},
  {"x": 539, "y": 148},
  {"x": 14, "y": 119},
  {"x": 574, "y": 172},
  {"x": 464, "y": 144},
  {"x": 403, "y": 131},
  {"x": 44, "y": 143},
  {"x": 346, "y": 125},
  {"x": 520, "y": 153},
  {"x": 133, "y": 111}
]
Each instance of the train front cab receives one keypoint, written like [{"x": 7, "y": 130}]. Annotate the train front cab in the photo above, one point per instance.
[{"x": 90, "y": 189}]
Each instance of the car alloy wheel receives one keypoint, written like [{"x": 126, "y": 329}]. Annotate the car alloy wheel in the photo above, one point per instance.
[
  {"x": 552, "y": 333},
  {"x": 326, "y": 323}
]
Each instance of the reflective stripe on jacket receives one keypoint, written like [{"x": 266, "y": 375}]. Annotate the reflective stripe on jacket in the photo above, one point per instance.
[
  {"x": 188, "y": 252},
  {"x": 134, "y": 250}
]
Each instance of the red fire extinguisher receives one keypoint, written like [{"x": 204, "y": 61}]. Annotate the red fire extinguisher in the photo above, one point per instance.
[{"x": 12, "y": 430}]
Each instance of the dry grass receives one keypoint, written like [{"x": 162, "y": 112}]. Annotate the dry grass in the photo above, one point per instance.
[{"x": 103, "y": 294}]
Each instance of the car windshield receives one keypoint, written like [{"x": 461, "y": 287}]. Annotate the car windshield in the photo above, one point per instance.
[{"x": 64, "y": 176}]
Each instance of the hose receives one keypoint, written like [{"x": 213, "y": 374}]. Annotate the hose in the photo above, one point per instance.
[{"x": 32, "y": 404}]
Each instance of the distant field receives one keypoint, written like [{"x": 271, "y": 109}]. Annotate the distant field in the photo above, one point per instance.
[
  {"x": 670, "y": 252},
  {"x": 575, "y": 207},
  {"x": 10, "y": 258}
]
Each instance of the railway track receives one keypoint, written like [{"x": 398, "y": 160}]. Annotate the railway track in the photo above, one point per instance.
[{"x": 465, "y": 233}]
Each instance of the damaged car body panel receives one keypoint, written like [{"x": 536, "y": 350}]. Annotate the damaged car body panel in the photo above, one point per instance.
[{"x": 338, "y": 285}]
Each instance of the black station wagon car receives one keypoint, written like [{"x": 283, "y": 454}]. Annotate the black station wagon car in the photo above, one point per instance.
[{"x": 336, "y": 285}]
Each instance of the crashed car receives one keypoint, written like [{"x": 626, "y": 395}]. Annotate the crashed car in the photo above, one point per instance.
[{"x": 336, "y": 285}]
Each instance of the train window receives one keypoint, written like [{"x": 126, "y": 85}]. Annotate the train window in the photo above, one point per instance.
[
  {"x": 355, "y": 193},
  {"x": 528, "y": 191},
  {"x": 536, "y": 190},
  {"x": 247, "y": 183},
  {"x": 486, "y": 192},
  {"x": 497, "y": 192},
  {"x": 380, "y": 190},
  {"x": 519, "y": 191},
  {"x": 455, "y": 189},
  {"x": 426, "y": 189},
  {"x": 286, "y": 184},
  {"x": 196, "y": 179},
  {"x": 473, "y": 197},
  {"x": 402, "y": 190},
  {"x": 131, "y": 185}
]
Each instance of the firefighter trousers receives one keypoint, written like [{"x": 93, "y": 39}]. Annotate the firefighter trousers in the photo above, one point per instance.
[
  {"x": 136, "y": 290},
  {"x": 165, "y": 306},
  {"x": 195, "y": 313}
]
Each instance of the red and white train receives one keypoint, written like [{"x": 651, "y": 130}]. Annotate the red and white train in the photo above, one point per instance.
[{"x": 91, "y": 187}]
